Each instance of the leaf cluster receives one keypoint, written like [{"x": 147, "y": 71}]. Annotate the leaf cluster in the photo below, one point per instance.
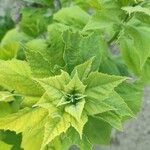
[{"x": 72, "y": 71}]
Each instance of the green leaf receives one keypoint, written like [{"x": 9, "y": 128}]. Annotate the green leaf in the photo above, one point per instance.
[
  {"x": 46, "y": 56},
  {"x": 6, "y": 22},
  {"x": 8, "y": 51},
  {"x": 11, "y": 138},
  {"x": 10, "y": 46},
  {"x": 55, "y": 85},
  {"x": 146, "y": 71},
  {"x": 113, "y": 119},
  {"x": 105, "y": 17},
  {"x": 48, "y": 103},
  {"x": 101, "y": 131},
  {"x": 56, "y": 99},
  {"x": 94, "y": 107},
  {"x": 143, "y": 18},
  {"x": 35, "y": 20},
  {"x": 24, "y": 120},
  {"x": 128, "y": 51},
  {"x": 6, "y": 96},
  {"x": 76, "y": 85},
  {"x": 28, "y": 138},
  {"x": 15, "y": 105},
  {"x": 116, "y": 101},
  {"x": 100, "y": 85},
  {"x": 61, "y": 124},
  {"x": 95, "y": 4},
  {"x": 136, "y": 9},
  {"x": 29, "y": 101},
  {"x": 140, "y": 36},
  {"x": 75, "y": 110},
  {"x": 56, "y": 44},
  {"x": 54, "y": 109},
  {"x": 72, "y": 16},
  {"x": 42, "y": 2},
  {"x": 71, "y": 137},
  {"x": 79, "y": 49},
  {"x": 72, "y": 53},
  {"x": 18, "y": 74},
  {"x": 132, "y": 94},
  {"x": 14, "y": 35},
  {"x": 55, "y": 127},
  {"x": 113, "y": 66},
  {"x": 37, "y": 57},
  {"x": 5, "y": 146},
  {"x": 79, "y": 124},
  {"x": 89, "y": 50},
  {"x": 5, "y": 109},
  {"x": 127, "y": 2},
  {"x": 83, "y": 70}
]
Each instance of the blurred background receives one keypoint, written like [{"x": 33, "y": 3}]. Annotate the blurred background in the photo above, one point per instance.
[{"x": 136, "y": 135}]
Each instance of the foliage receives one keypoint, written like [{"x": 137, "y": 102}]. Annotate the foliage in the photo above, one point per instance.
[
  {"x": 6, "y": 23},
  {"x": 60, "y": 76}
]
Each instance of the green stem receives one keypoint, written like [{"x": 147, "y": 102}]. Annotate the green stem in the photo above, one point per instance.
[
  {"x": 126, "y": 19},
  {"x": 115, "y": 36}
]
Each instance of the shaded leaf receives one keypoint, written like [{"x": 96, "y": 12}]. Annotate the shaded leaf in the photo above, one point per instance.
[
  {"x": 116, "y": 101},
  {"x": 100, "y": 85},
  {"x": 37, "y": 57},
  {"x": 136, "y": 9},
  {"x": 113, "y": 119},
  {"x": 100, "y": 134},
  {"x": 72, "y": 16},
  {"x": 94, "y": 107},
  {"x": 132, "y": 94}
]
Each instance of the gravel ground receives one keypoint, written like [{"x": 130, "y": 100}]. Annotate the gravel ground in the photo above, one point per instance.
[{"x": 136, "y": 135}]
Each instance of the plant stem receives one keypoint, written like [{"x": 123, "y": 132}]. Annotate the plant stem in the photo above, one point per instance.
[
  {"x": 114, "y": 37},
  {"x": 126, "y": 19}
]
